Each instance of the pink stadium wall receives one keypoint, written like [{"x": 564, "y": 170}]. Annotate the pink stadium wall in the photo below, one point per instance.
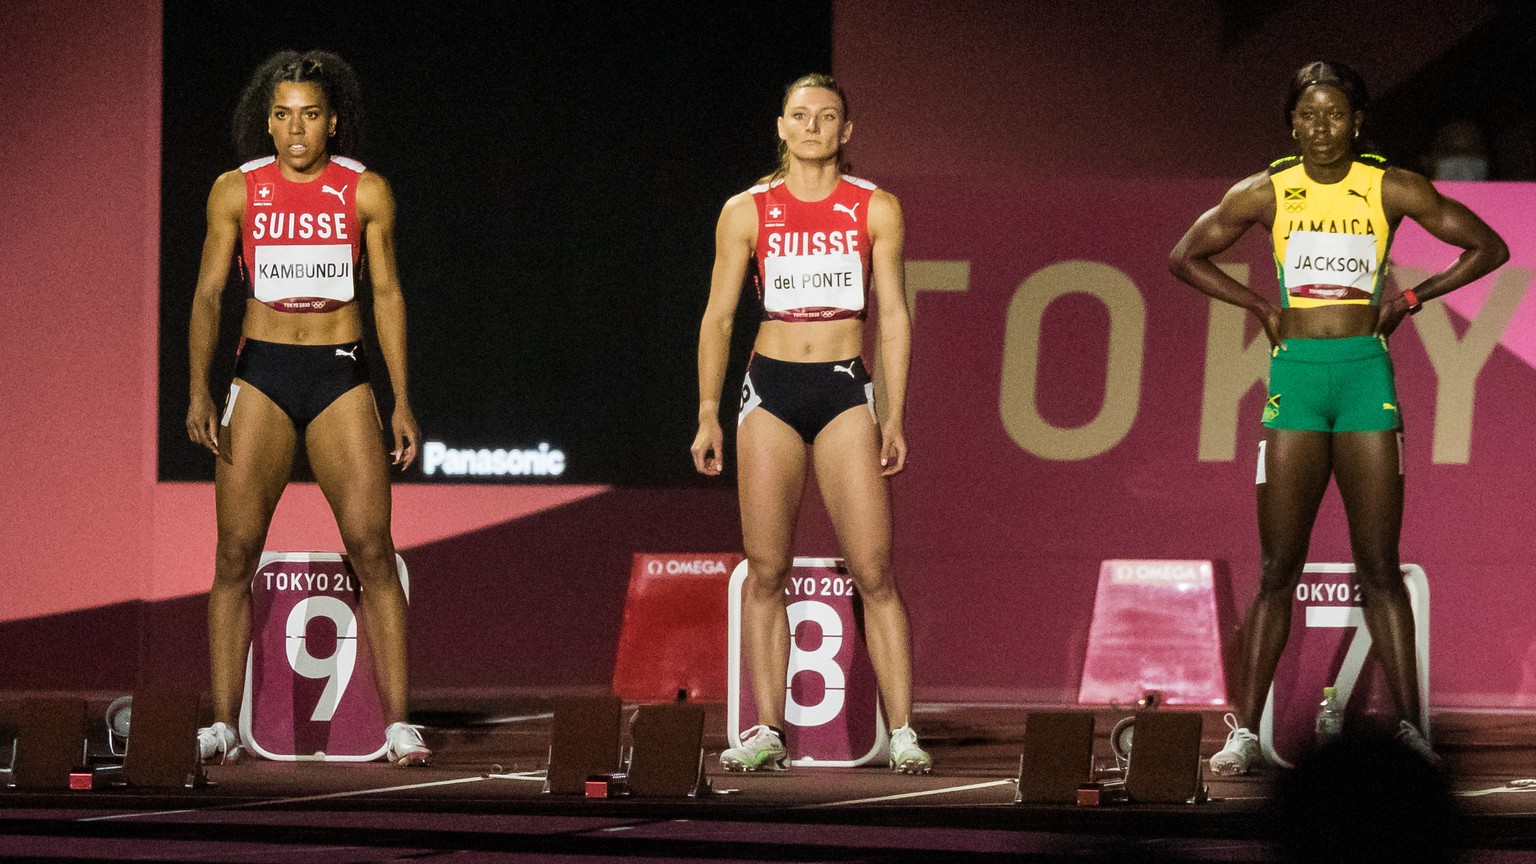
[{"x": 1070, "y": 401}]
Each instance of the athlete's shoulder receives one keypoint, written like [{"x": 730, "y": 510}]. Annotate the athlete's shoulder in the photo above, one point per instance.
[
  {"x": 348, "y": 163},
  {"x": 1373, "y": 160},
  {"x": 257, "y": 164},
  {"x": 227, "y": 197},
  {"x": 764, "y": 185},
  {"x": 1283, "y": 164},
  {"x": 859, "y": 182}
]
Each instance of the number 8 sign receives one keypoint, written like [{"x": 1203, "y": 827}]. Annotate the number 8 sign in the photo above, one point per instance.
[
  {"x": 831, "y": 701},
  {"x": 309, "y": 684}
]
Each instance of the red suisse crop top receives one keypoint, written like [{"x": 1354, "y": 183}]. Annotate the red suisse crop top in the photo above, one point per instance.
[
  {"x": 300, "y": 243},
  {"x": 813, "y": 256}
]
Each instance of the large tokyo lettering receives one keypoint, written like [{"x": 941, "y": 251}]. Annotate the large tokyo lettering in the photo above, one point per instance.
[{"x": 1236, "y": 357}]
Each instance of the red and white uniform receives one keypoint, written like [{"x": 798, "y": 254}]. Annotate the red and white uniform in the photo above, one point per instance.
[
  {"x": 813, "y": 256},
  {"x": 300, "y": 243}
]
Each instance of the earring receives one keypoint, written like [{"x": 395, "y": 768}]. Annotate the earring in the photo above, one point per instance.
[{"x": 1294, "y": 136}]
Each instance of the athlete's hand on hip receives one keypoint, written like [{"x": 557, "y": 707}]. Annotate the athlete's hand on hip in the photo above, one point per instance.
[
  {"x": 203, "y": 422},
  {"x": 893, "y": 450},
  {"x": 707, "y": 448},
  {"x": 1390, "y": 314},
  {"x": 407, "y": 436},
  {"x": 1269, "y": 319}
]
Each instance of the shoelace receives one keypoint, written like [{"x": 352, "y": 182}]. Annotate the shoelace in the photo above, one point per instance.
[
  {"x": 399, "y": 730},
  {"x": 1237, "y": 732},
  {"x": 754, "y": 735},
  {"x": 222, "y": 737}
]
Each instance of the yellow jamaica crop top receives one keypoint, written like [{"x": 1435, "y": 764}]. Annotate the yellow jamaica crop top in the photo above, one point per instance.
[{"x": 1331, "y": 239}]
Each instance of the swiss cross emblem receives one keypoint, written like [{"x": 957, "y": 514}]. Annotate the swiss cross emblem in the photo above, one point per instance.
[
  {"x": 264, "y": 193},
  {"x": 775, "y": 212}
]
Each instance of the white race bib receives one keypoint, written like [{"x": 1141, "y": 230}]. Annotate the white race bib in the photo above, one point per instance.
[
  {"x": 813, "y": 281},
  {"x": 1316, "y": 259},
  {"x": 284, "y": 272}
]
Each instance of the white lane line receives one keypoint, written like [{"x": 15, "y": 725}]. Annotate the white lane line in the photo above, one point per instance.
[
  {"x": 1497, "y": 790},
  {"x": 520, "y": 718},
  {"x": 134, "y": 815},
  {"x": 946, "y": 790},
  {"x": 353, "y": 794},
  {"x": 537, "y": 776}
]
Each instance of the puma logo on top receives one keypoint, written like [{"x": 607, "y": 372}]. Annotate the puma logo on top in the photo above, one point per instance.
[
  {"x": 337, "y": 192},
  {"x": 851, "y": 211}
]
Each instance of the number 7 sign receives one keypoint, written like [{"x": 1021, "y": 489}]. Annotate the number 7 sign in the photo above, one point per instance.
[
  {"x": 1329, "y": 646},
  {"x": 310, "y": 691}
]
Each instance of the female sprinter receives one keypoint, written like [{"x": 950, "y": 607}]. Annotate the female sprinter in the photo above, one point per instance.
[
  {"x": 298, "y": 219},
  {"x": 1332, "y": 408},
  {"x": 813, "y": 239}
]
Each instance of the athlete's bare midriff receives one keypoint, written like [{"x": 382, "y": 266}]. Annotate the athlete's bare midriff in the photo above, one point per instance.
[
  {"x": 810, "y": 341},
  {"x": 301, "y": 328},
  {"x": 1328, "y": 322}
]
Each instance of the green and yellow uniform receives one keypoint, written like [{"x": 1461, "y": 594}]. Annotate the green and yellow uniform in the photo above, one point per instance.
[{"x": 1331, "y": 242}]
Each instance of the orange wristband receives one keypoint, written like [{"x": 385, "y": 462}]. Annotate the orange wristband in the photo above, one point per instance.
[{"x": 1414, "y": 303}]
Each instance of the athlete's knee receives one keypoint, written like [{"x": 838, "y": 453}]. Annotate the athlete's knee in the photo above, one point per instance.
[
  {"x": 372, "y": 555},
  {"x": 767, "y": 576},
  {"x": 875, "y": 582},
  {"x": 236, "y": 555},
  {"x": 1278, "y": 574},
  {"x": 1378, "y": 577}
]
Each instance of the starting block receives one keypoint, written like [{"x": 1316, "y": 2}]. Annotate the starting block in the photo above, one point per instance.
[
  {"x": 1328, "y": 646},
  {"x": 1156, "y": 629},
  {"x": 310, "y": 690},
  {"x": 832, "y": 708}
]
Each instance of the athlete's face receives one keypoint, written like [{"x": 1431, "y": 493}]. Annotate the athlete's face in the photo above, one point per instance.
[
  {"x": 300, "y": 123},
  {"x": 1324, "y": 125},
  {"x": 813, "y": 125}
]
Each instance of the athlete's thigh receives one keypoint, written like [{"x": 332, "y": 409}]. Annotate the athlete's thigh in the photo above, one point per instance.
[
  {"x": 1295, "y": 468},
  {"x": 770, "y": 478},
  {"x": 847, "y": 457},
  {"x": 346, "y": 451},
  {"x": 1369, "y": 469},
  {"x": 256, "y": 445}
]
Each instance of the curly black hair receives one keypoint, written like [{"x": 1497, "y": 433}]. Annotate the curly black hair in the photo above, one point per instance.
[{"x": 343, "y": 95}]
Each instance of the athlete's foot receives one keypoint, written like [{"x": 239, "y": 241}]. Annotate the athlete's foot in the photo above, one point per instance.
[
  {"x": 404, "y": 745},
  {"x": 762, "y": 749},
  {"x": 218, "y": 745},
  {"x": 1409, "y": 736},
  {"x": 1238, "y": 754},
  {"x": 906, "y": 756}
]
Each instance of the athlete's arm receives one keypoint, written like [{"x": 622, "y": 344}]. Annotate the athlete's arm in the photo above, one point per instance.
[
  {"x": 1405, "y": 193},
  {"x": 1250, "y": 202},
  {"x": 226, "y": 205},
  {"x": 734, "y": 236},
  {"x": 376, "y": 207},
  {"x": 888, "y": 235}
]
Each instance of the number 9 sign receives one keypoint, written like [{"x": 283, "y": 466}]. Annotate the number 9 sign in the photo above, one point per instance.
[
  {"x": 309, "y": 683},
  {"x": 831, "y": 701}
]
